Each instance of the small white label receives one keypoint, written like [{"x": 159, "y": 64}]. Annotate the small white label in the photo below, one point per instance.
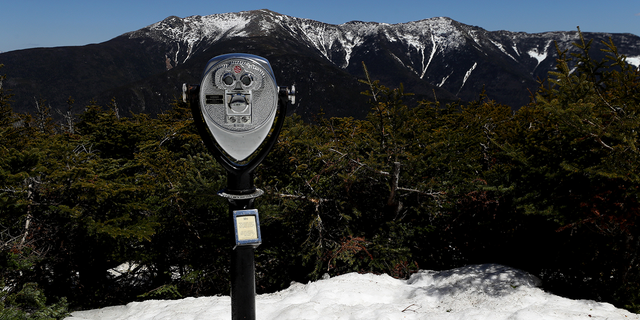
[{"x": 247, "y": 229}]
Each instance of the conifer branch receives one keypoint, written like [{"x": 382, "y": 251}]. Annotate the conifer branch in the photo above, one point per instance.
[{"x": 366, "y": 72}]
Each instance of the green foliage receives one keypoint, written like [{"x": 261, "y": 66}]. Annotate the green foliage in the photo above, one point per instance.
[
  {"x": 574, "y": 159},
  {"x": 6, "y": 113},
  {"x": 30, "y": 303},
  {"x": 577, "y": 144},
  {"x": 24, "y": 300},
  {"x": 167, "y": 291},
  {"x": 19, "y": 175}
]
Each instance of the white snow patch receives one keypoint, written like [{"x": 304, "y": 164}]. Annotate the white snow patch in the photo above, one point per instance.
[
  {"x": 434, "y": 49},
  {"x": 515, "y": 48},
  {"x": 122, "y": 269},
  {"x": 479, "y": 292},
  {"x": 540, "y": 56},
  {"x": 634, "y": 61},
  {"x": 444, "y": 80},
  {"x": 438, "y": 32},
  {"x": 326, "y": 38},
  {"x": 466, "y": 75},
  {"x": 475, "y": 38},
  {"x": 501, "y": 47}
]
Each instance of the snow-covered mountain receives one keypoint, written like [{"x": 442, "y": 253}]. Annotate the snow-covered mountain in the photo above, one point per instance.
[{"x": 144, "y": 69}]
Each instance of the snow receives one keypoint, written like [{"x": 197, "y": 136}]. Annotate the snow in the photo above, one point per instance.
[
  {"x": 326, "y": 38},
  {"x": 439, "y": 31},
  {"x": 515, "y": 48},
  {"x": 634, "y": 61},
  {"x": 501, "y": 47},
  {"x": 479, "y": 292},
  {"x": 444, "y": 80},
  {"x": 540, "y": 56},
  {"x": 433, "y": 53},
  {"x": 419, "y": 42},
  {"x": 475, "y": 38},
  {"x": 467, "y": 75}
]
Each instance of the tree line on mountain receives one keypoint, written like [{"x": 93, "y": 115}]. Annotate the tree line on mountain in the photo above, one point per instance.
[{"x": 106, "y": 208}]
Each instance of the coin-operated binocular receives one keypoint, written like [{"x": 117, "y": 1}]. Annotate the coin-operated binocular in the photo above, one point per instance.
[
  {"x": 235, "y": 107},
  {"x": 239, "y": 111}
]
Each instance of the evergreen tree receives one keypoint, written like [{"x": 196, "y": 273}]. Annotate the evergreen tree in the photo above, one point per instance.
[
  {"x": 574, "y": 156},
  {"x": 6, "y": 113},
  {"x": 20, "y": 182}
]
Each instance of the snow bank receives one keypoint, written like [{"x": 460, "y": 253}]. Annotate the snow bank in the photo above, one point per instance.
[{"x": 474, "y": 292}]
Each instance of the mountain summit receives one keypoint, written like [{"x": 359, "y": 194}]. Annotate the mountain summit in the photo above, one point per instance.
[{"x": 144, "y": 69}]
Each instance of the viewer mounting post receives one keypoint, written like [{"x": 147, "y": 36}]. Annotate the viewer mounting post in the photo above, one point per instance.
[{"x": 239, "y": 111}]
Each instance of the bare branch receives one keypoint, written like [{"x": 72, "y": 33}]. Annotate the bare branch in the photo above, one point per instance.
[
  {"x": 601, "y": 142},
  {"x": 373, "y": 91},
  {"x": 360, "y": 163},
  {"x": 395, "y": 179},
  {"x": 432, "y": 194}
]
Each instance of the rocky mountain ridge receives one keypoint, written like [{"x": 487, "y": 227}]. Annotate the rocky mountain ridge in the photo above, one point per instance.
[{"x": 436, "y": 58}]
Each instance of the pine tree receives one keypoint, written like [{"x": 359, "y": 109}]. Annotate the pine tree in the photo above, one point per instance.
[{"x": 574, "y": 156}]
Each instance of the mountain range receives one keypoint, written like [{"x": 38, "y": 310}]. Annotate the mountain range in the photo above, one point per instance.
[{"x": 438, "y": 58}]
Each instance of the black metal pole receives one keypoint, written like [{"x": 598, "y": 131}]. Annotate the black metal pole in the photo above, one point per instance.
[{"x": 243, "y": 282}]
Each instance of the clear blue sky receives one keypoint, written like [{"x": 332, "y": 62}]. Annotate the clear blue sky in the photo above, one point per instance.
[{"x": 51, "y": 23}]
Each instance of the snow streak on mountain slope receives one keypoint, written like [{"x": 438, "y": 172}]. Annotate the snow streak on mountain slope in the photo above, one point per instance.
[
  {"x": 328, "y": 39},
  {"x": 188, "y": 32},
  {"x": 416, "y": 46}
]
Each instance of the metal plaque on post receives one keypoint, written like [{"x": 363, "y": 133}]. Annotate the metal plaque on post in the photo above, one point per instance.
[{"x": 247, "y": 228}]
